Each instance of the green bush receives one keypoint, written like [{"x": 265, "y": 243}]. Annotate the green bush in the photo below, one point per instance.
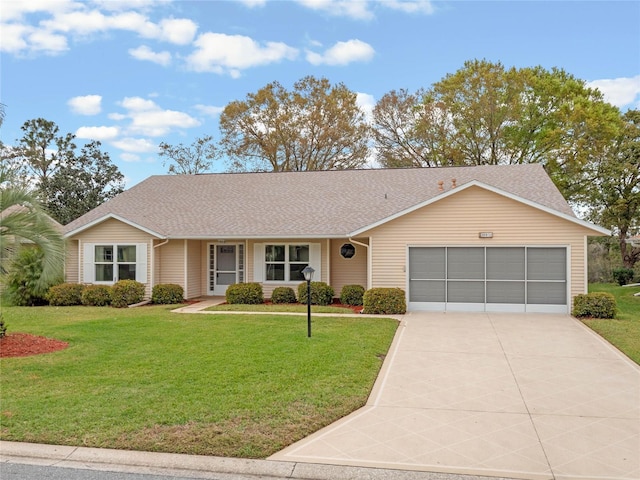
[
  {"x": 22, "y": 286},
  {"x": 96, "y": 295},
  {"x": 594, "y": 305},
  {"x": 623, "y": 275},
  {"x": 283, "y": 295},
  {"x": 321, "y": 293},
  {"x": 65, "y": 294},
  {"x": 352, "y": 294},
  {"x": 167, "y": 294},
  {"x": 245, "y": 293},
  {"x": 3, "y": 327},
  {"x": 388, "y": 301},
  {"x": 126, "y": 292}
]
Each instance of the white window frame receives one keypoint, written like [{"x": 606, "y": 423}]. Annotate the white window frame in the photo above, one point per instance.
[
  {"x": 260, "y": 262},
  {"x": 90, "y": 262}
]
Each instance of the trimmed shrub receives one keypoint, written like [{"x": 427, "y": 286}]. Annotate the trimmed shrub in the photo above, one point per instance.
[
  {"x": 126, "y": 292},
  {"x": 96, "y": 295},
  {"x": 321, "y": 293},
  {"x": 283, "y": 295},
  {"x": 623, "y": 275},
  {"x": 167, "y": 294},
  {"x": 245, "y": 293},
  {"x": 388, "y": 301},
  {"x": 65, "y": 294},
  {"x": 352, "y": 294},
  {"x": 595, "y": 305}
]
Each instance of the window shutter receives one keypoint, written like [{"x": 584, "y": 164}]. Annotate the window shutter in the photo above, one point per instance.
[
  {"x": 258, "y": 262},
  {"x": 315, "y": 260},
  {"x": 141, "y": 262},
  {"x": 88, "y": 262}
]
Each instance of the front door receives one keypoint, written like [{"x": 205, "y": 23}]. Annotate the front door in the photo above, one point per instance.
[{"x": 223, "y": 267}]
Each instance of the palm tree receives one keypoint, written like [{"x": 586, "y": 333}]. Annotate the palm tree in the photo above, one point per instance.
[{"x": 23, "y": 222}]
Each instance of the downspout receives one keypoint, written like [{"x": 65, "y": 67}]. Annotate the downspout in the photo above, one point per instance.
[{"x": 368, "y": 259}]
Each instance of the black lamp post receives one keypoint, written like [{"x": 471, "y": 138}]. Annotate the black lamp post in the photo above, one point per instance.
[{"x": 308, "y": 276}]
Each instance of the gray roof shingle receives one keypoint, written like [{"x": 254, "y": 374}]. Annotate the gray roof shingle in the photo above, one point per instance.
[{"x": 296, "y": 204}]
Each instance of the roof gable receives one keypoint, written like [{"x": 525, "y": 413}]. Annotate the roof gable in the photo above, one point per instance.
[{"x": 475, "y": 183}]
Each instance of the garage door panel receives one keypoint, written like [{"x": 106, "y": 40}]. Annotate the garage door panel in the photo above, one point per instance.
[
  {"x": 465, "y": 292},
  {"x": 465, "y": 263},
  {"x": 546, "y": 293},
  {"x": 546, "y": 263},
  {"x": 427, "y": 291},
  {"x": 505, "y": 292},
  {"x": 505, "y": 263},
  {"x": 427, "y": 262}
]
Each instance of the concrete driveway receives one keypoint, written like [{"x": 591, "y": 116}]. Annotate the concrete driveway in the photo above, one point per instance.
[{"x": 512, "y": 395}]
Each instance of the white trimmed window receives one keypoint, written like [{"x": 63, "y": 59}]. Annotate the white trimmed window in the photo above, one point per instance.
[
  {"x": 108, "y": 262},
  {"x": 284, "y": 262}
]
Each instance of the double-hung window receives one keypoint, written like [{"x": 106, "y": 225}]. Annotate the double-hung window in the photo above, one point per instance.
[
  {"x": 108, "y": 263},
  {"x": 285, "y": 262}
]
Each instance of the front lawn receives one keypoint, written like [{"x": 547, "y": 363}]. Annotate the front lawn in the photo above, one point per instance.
[
  {"x": 624, "y": 330},
  {"x": 147, "y": 379}
]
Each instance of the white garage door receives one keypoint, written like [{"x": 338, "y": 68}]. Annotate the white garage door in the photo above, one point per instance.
[{"x": 509, "y": 279}]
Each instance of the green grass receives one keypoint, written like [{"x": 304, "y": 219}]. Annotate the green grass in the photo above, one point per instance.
[
  {"x": 147, "y": 379},
  {"x": 288, "y": 308},
  {"x": 624, "y": 330}
]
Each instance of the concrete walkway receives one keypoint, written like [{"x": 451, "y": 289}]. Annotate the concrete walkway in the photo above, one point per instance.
[{"x": 511, "y": 395}]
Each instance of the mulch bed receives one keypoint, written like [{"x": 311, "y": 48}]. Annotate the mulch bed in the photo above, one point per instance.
[{"x": 25, "y": 345}]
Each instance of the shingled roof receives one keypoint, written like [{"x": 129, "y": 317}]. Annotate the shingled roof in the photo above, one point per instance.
[{"x": 305, "y": 204}]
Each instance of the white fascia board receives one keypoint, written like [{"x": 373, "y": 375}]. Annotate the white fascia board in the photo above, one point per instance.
[
  {"x": 115, "y": 217},
  {"x": 255, "y": 237},
  {"x": 475, "y": 183}
]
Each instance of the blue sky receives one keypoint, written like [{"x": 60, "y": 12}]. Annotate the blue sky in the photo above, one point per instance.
[{"x": 136, "y": 73}]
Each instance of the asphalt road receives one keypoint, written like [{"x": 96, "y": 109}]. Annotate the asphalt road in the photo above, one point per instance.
[{"x": 18, "y": 471}]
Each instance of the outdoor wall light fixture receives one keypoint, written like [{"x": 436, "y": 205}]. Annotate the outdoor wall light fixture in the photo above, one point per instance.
[{"x": 308, "y": 276}]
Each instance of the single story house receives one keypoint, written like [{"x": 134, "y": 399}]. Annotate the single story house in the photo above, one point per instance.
[{"x": 483, "y": 238}]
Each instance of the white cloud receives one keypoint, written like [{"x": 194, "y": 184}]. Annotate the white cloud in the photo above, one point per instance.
[
  {"x": 179, "y": 31},
  {"x": 86, "y": 105},
  {"x": 210, "y": 110},
  {"x": 148, "y": 119},
  {"x": 130, "y": 157},
  {"x": 341, "y": 8},
  {"x": 362, "y": 9},
  {"x": 619, "y": 91},
  {"x": 15, "y": 10},
  {"x": 220, "y": 53},
  {"x": 343, "y": 53},
  {"x": 136, "y": 145},
  {"x": 98, "y": 133},
  {"x": 366, "y": 102},
  {"x": 145, "y": 53}
]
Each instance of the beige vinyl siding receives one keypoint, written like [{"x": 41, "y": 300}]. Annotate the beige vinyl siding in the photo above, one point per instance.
[
  {"x": 194, "y": 267},
  {"x": 458, "y": 220},
  {"x": 114, "y": 231},
  {"x": 170, "y": 263},
  {"x": 268, "y": 287},
  {"x": 71, "y": 266},
  {"x": 351, "y": 271}
]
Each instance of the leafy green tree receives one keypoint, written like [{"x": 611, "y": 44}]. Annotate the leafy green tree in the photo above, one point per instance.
[
  {"x": 82, "y": 184},
  {"x": 67, "y": 183},
  {"x": 615, "y": 188},
  {"x": 484, "y": 114},
  {"x": 315, "y": 126},
  {"x": 24, "y": 224},
  {"x": 190, "y": 160}
]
